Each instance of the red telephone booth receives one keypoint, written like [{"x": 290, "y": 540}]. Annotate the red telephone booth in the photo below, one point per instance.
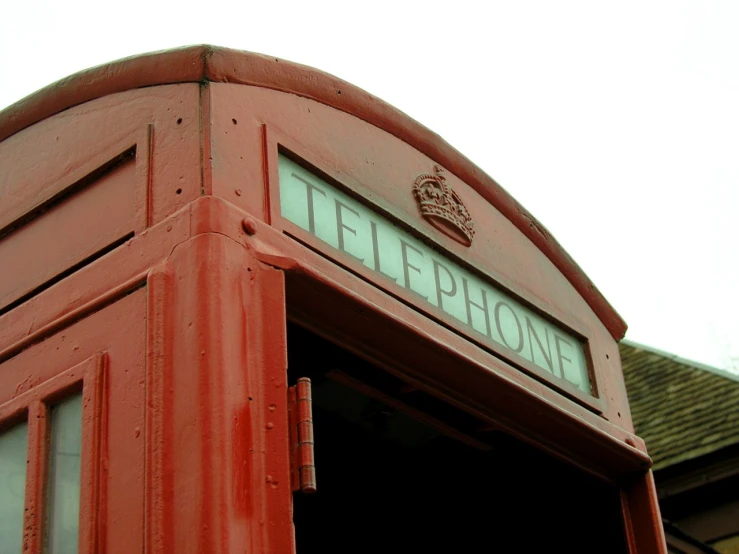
[{"x": 248, "y": 307}]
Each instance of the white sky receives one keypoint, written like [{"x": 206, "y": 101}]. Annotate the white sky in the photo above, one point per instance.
[{"x": 615, "y": 123}]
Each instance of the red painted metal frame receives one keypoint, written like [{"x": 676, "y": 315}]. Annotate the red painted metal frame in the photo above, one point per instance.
[
  {"x": 203, "y": 289},
  {"x": 181, "y": 342},
  {"x": 600, "y": 456},
  {"x": 603, "y": 457}
]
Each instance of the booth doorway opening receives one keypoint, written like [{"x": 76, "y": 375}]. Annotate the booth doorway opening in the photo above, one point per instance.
[{"x": 399, "y": 470}]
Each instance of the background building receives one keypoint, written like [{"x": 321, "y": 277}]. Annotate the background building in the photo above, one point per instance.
[{"x": 688, "y": 414}]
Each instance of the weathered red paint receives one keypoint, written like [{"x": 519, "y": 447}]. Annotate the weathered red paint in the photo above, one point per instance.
[
  {"x": 199, "y": 64},
  {"x": 142, "y": 228}
]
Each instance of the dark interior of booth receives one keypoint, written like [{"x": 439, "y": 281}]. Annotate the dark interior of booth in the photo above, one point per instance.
[{"x": 400, "y": 470}]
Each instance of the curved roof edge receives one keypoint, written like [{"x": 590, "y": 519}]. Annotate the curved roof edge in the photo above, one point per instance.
[{"x": 209, "y": 63}]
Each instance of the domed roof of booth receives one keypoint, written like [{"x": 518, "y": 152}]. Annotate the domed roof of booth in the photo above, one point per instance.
[{"x": 206, "y": 63}]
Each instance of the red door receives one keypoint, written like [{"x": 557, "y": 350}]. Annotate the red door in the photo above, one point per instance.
[{"x": 72, "y": 436}]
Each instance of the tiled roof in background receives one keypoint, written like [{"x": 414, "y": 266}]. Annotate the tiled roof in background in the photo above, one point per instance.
[{"x": 681, "y": 409}]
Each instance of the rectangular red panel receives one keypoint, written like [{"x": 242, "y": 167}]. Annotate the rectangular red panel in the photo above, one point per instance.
[{"x": 95, "y": 215}]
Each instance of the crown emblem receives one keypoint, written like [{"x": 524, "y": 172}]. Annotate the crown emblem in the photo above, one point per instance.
[{"x": 442, "y": 207}]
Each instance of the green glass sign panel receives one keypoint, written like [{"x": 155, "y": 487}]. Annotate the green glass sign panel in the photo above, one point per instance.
[{"x": 397, "y": 256}]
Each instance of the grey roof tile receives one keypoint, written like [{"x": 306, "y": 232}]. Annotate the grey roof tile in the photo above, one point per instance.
[{"x": 681, "y": 409}]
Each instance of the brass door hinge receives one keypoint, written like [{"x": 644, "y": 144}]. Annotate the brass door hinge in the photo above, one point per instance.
[{"x": 301, "y": 437}]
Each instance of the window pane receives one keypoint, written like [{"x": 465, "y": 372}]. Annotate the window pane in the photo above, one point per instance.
[
  {"x": 64, "y": 477},
  {"x": 13, "y": 448}
]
